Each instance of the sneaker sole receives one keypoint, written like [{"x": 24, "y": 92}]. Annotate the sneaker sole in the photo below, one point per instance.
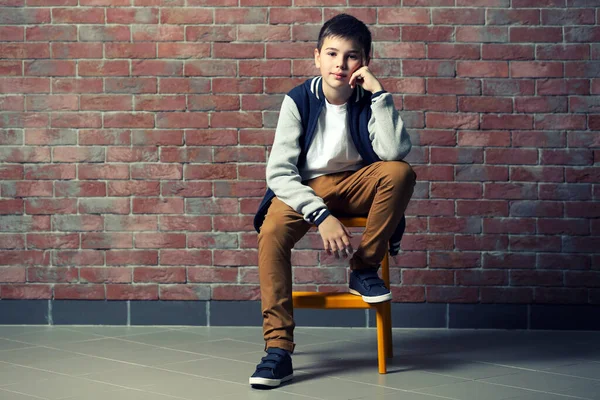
[
  {"x": 373, "y": 299},
  {"x": 270, "y": 382}
]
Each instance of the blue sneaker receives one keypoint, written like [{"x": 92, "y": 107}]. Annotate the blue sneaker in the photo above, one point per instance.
[
  {"x": 366, "y": 283},
  {"x": 274, "y": 369}
]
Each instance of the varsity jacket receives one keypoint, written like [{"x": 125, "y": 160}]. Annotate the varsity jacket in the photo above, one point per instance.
[{"x": 375, "y": 127}]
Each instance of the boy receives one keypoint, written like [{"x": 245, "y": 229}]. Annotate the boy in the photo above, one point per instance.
[{"x": 337, "y": 150}]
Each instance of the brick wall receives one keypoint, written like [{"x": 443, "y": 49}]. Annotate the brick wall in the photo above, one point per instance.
[{"x": 134, "y": 137}]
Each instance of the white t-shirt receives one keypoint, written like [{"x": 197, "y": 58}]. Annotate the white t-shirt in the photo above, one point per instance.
[{"x": 332, "y": 149}]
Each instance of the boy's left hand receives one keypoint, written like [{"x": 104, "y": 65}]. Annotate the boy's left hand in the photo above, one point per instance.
[{"x": 366, "y": 79}]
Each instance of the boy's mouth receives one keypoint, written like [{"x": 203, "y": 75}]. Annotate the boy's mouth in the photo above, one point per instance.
[{"x": 338, "y": 76}]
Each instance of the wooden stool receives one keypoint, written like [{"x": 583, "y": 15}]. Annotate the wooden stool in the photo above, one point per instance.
[{"x": 322, "y": 300}]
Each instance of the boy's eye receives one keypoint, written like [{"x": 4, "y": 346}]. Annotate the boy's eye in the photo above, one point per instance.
[
  {"x": 353, "y": 57},
  {"x": 331, "y": 54}
]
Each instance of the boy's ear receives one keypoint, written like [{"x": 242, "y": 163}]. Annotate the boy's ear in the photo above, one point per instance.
[{"x": 317, "y": 58}]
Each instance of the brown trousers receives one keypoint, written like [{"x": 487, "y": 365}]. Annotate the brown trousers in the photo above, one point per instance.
[{"x": 380, "y": 190}]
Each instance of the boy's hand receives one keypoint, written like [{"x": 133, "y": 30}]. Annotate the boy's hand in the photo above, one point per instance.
[
  {"x": 336, "y": 237},
  {"x": 366, "y": 79}
]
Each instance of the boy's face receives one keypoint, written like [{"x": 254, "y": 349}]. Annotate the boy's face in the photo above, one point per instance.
[{"x": 338, "y": 59}]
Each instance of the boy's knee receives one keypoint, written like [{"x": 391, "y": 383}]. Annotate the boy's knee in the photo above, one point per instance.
[{"x": 398, "y": 173}]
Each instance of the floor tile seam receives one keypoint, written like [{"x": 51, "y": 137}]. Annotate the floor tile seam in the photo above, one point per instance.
[
  {"x": 121, "y": 386},
  {"x": 397, "y": 389},
  {"x": 204, "y": 354},
  {"x": 20, "y": 348},
  {"x": 540, "y": 371},
  {"x": 24, "y": 394},
  {"x": 130, "y": 388},
  {"x": 420, "y": 390},
  {"x": 119, "y": 336}
]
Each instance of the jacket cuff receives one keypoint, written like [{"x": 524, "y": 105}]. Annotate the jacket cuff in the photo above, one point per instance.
[
  {"x": 377, "y": 94},
  {"x": 322, "y": 217}
]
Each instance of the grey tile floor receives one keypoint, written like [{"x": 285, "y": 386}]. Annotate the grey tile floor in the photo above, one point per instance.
[{"x": 204, "y": 363}]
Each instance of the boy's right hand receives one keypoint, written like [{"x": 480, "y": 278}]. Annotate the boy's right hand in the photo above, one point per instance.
[{"x": 336, "y": 237}]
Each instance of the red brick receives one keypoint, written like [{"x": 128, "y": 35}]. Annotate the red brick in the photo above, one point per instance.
[
  {"x": 535, "y": 243},
  {"x": 510, "y": 191},
  {"x": 582, "y": 34},
  {"x": 78, "y": 257},
  {"x": 483, "y": 242},
  {"x": 427, "y": 242},
  {"x": 43, "y": 274},
  {"x": 181, "y": 120},
  {"x": 157, "y": 206},
  {"x": 427, "y": 34},
  {"x": 78, "y": 15},
  {"x": 453, "y": 51},
  {"x": 513, "y": 17},
  {"x": 456, "y": 260},
  {"x": 13, "y": 275},
  {"x": 132, "y": 154},
  {"x": 212, "y": 274},
  {"x": 192, "y": 224},
  {"x": 210, "y": 33},
  {"x": 536, "y": 35},
  {"x": 236, "y": 120},
  {"x": 404, "y": 15},
  {"x": 183, "y": 50},
  {"x": 509, "y": 225},
  {"x": 131, "y": 292},
  {"x": 251, "y": 15},
  {"x": 186, "y": 15},
  {"x": 26, "y": 291},
  {"x": 25, "y": 50},
  {"x": 452, "y": 224},
  {"x": 106, "y": 241},
  {"x": 508, "y": 87},
  {"x": 233, "y": 223},
  {"x": 142, "y": 15},
  {"x": 430, "y": 103},
  {"x": 51, "y": 33},
  {"x": 506, "y": 295},
  {"x": 560, "y": 296},
  {"x": 158, "y": 33},
  {"x": 536, "y": 278},
  {"x": 461, "y": 16},
  {"x": 210, "y": 68},
  {"x": 103, "y": 68},
  {"x": 239, "y": 189},
  {"x": 481, "y": 69},
  {"x": 454, "y": 121},
  {"x": 508, "y": 260},
  {"x": 583, "y": 69},
  {"x": 482, "y": 34},
  {"x": 485, "y": 104},
  {"x": 265, "y": 68},
  {"x": 452, "y": 295},
  {"x": 293, "y": 15},
  {"x": 12, "y": 33},
  {"x": 391, "y": 50},
  {"x": 511, "y": 156},
  {"x": 507, "y": 52},
  {"x": 538, "y": 139},
  {"x": 428, "y": 68},
  {"x": 49, "y": 68},
  {"x": 564, "y": 261},
  {"x": 560, "y": 121},
  {"x": 481, "y": 208},
  {"x": 567, "y": 157},
  {"x": 159, "y": 275},
  {"x": 453, "y": 86},
  {"x": 456, "y": 156},
  {"x": 481, "y": 278},
  {"x": 79, "y": 292},
  {"x": 426, "y": 277},
  {"x": 506, "y": 121},
  {"x": 547, "y": 226},
  {"x": 235, "y": 292}
]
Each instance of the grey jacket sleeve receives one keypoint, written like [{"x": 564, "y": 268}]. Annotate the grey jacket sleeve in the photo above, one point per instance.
[
  {"x": 389, "y": 138},
  {"x": 283, "y": 177}
]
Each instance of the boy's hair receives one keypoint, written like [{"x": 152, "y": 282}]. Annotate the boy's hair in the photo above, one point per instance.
[{"x": 347, "y": 27}]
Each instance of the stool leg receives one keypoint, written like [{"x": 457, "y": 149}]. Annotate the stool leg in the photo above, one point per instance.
[
  {"x": 389, "y": 349},
  {"x": 381, "y": 339}
]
